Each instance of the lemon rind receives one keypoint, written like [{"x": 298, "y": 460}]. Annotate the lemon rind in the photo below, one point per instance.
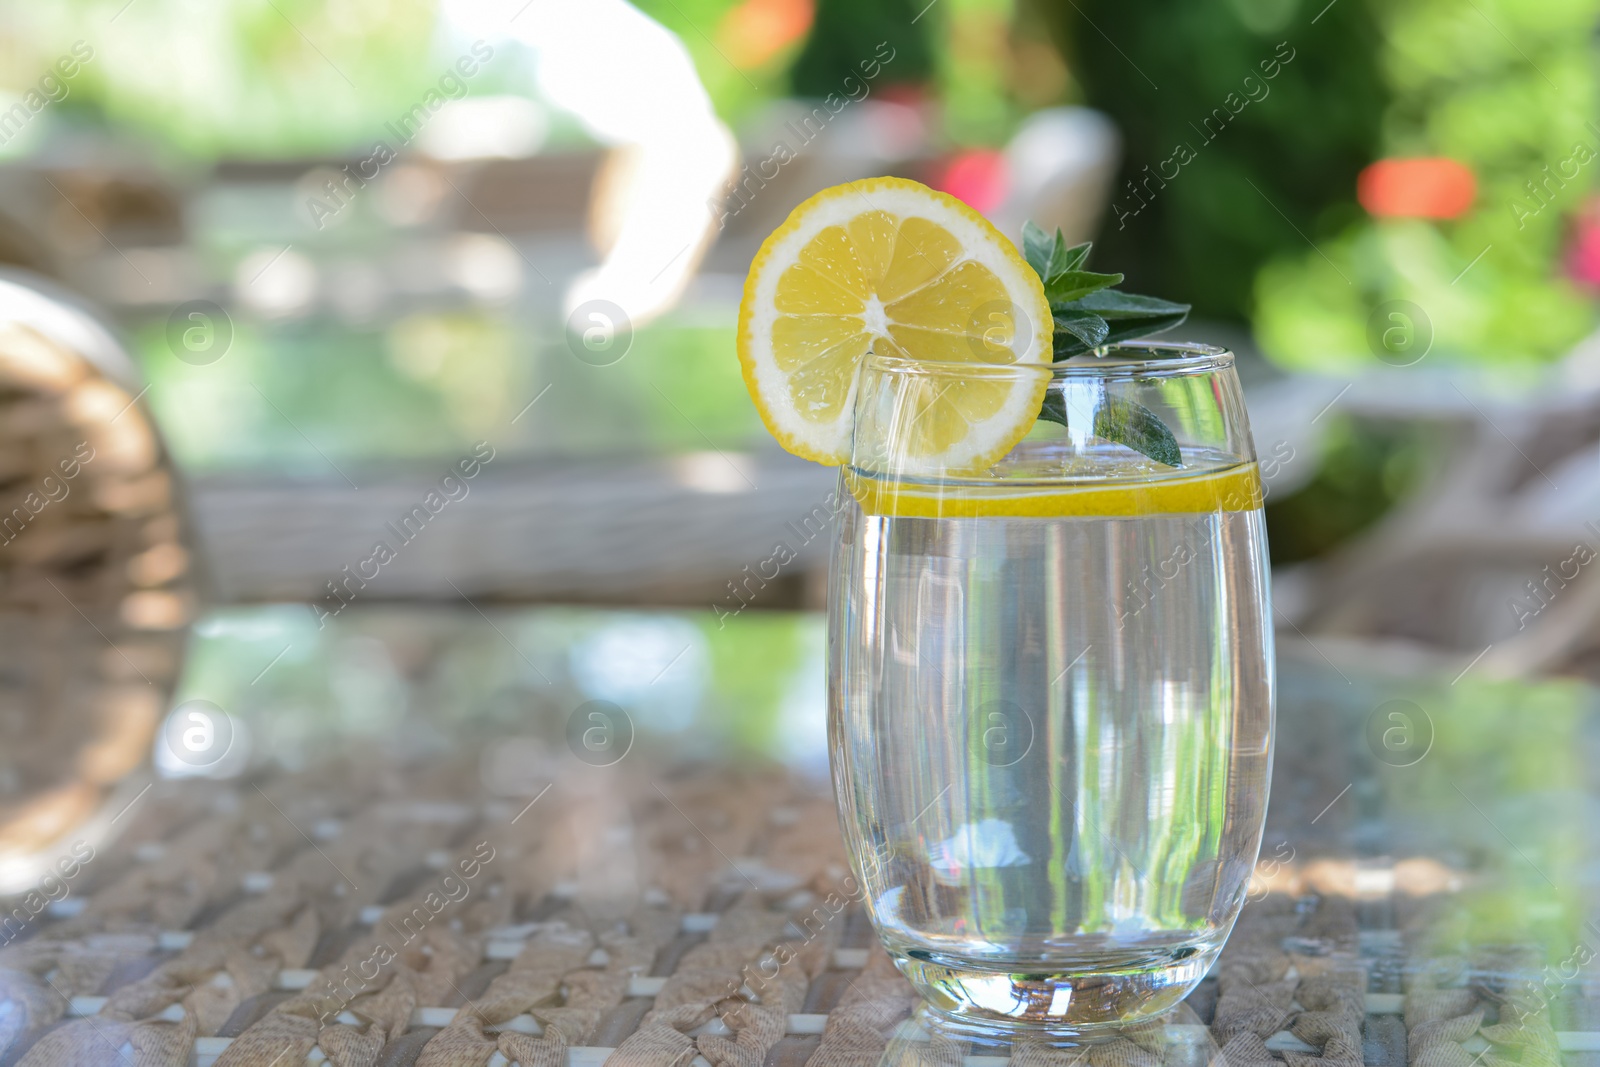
[{"x": 1235, "y": 488}]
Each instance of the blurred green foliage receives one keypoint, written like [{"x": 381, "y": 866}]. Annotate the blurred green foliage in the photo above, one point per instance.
[
  {"x": 845, "y": 32},
  {"x": 1365, "y": 469},
  {"x": 683, "y": 384},
  {"x": 1274, "y": 158},
  {"x": 298, "y": 395},
  {"x": 288, "y": 78},
  {"x": 981, "y": 77},
  {"x": 986, "y": 63},
  {"x": 253, "y": 78},
  {"x": 955, "y": 51},
  {"x": 1262, "y": 223},
  {"x": 1508, "y": 87}
]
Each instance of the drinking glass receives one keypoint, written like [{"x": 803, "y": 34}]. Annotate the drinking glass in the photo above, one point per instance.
[{"x": 1051, "y": 687}]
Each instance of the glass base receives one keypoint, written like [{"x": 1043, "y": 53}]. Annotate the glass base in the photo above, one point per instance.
[
  {"x": 977, "y": 1004},
  {"x": 1178, "y": 1038}
]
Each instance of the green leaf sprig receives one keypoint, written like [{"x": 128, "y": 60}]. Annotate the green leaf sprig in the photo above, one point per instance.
[{"x": 1089, "y": 313}]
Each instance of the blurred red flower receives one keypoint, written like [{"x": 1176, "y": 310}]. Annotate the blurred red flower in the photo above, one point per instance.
[
  {"x": 1424, "y": 188},
  {"x": 1583, "y": 254},
  {"x": 976, "y": 177}
]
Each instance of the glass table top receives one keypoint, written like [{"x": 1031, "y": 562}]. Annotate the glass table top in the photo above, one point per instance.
[
  {"x": 1485, "y": 790},
  {"x": 1427, "y": 842}
]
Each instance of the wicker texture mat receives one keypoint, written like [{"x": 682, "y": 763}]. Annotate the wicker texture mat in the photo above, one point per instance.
[{"x": 361, "y": 915}]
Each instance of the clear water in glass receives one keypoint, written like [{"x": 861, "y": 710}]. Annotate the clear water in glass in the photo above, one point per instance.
[{"x": 1051, "y": 739}]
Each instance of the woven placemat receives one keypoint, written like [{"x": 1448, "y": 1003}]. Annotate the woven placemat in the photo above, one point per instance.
[{"x": 363, "y": 913}]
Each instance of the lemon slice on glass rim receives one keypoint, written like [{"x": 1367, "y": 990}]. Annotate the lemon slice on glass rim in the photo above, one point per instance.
[{"x": 890, "y": 266}]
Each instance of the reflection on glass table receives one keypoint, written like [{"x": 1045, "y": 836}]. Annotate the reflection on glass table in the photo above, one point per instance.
[
  {"x": 1409, "y": 786},
  {"x": 651, "y": 788},
  {"x": 1383, "y": 784}
]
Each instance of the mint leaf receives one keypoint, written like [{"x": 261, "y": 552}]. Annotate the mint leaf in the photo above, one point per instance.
[
  {"x": 1076, "y": 255},
  {"x": 1049, "y": 255},
  {"x": 1081, "y": 330},
  {"x": 1124, "y": 421},
  {"x": 1127, "y": 315},
  {"x": 1132, "y": 424},
  {"x": 1130, "y": 305},
  {"x": 1038, "y": 248},
  {"x": 1054, "y": 408},
  {"x": 1134, "y": 329},
  {"x": 1089, "y": 314},
  {"x": 1072, "y": 285}
]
